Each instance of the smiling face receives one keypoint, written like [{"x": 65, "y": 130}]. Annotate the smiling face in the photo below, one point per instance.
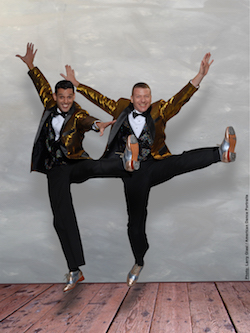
[
  {"x": 141, "y": 98},
  {"x": 64, "y": 99}
]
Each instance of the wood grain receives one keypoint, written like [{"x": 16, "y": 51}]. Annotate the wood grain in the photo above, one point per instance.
[{"x": 192, "y": 307}]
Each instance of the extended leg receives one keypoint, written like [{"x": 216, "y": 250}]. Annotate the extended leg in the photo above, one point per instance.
[
  {"x": 194, "y": 159},
  {"x": 174, "y": 165}
]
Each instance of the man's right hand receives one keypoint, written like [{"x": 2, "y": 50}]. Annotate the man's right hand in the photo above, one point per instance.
[{"x": 29, "y": 56}]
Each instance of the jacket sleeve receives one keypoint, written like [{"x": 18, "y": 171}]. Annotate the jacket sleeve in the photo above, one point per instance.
[
  {"x": 174, "y": 104},
  {"x": 108, "y": 105},
  {"x": 43, "y": 87},
  {"x": 84, "y": 122}
]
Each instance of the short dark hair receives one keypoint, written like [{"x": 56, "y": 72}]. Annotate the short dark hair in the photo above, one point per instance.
[
  {"x": 64, "y": 84},
  {"x": 140, "y": 85}
]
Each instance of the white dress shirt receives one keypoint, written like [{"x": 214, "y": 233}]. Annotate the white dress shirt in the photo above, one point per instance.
[
  {"x": 137, "y": 123},
  {"x": 57, "y": 123}
]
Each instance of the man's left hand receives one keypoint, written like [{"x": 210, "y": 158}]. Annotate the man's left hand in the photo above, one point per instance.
[{"x": 103, "y": 125}]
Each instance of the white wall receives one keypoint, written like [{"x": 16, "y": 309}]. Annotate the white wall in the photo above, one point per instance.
[{"x": 196, "y": 222}]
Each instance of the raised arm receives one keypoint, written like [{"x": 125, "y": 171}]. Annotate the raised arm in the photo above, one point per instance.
[
  {"x": 204, "y": 68},
  {"x": 28, "y": 58},
  {"x": 42, "y": 85},
  {"x": 173, "y": 105},
  {"x": 105, "y": 103}
]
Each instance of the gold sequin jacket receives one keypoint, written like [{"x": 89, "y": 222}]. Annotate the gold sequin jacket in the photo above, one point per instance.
[
  {"x": 160, "y": 111},
  {"x": 77, "y": 122}
]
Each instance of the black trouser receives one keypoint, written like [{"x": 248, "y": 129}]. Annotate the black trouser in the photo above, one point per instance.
[
  {"x": 151, "y": 173},
  {"x": 65, "y": 223}
]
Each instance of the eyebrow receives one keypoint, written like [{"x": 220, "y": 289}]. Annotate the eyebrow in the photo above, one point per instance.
[{"x": 63, "y": 94}]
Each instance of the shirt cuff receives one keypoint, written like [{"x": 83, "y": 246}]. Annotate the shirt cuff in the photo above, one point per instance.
[
  {"x": 194, "y": 85},
  {"x": 95, "y": 127}
]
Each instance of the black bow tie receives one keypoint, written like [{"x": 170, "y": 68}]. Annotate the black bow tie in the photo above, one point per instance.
[
  {"x": 56, "y": 113},
  {"x": 135, "y": 114}
]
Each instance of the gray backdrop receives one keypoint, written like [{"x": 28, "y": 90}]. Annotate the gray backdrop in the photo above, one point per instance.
[{"x": 197, "y": 223}]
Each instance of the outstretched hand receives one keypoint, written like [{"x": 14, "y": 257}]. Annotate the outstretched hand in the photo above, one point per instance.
[
  {"x": 28, "y": 58},
  {"x": 102, "y": 125},
  {"x": 204, "y": 68},
  {"x": 70, "y": 75},
  {"x": 205, "y": 64}
]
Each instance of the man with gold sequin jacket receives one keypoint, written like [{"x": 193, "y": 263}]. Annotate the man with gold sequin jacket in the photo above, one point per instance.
[
  {"x": 58, "y": 153},
  {"x": 148, "y": 122}
]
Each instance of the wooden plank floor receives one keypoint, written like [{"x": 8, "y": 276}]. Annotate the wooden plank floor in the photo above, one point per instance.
[{"x": 215, "y": 307}]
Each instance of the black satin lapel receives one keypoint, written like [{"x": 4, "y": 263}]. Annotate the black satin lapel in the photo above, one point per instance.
[
  {"x": 118, "y": 124},
  {"x": 71, "y": 111},
  {"x": 151, "y": 124},
  {"x": 44, "y": 118}
]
